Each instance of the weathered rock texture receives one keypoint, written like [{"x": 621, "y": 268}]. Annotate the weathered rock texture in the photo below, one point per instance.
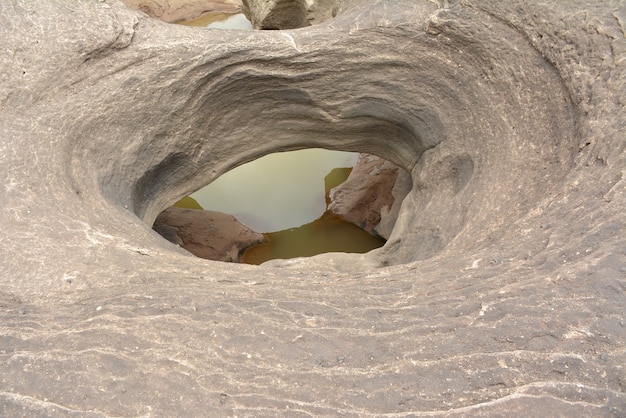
[
  {"x": 504, "y": 287},
  {"x": 206, "y": 234},
  {"x": 290, "y": 14},
  {"x": 372, "y": 195}
]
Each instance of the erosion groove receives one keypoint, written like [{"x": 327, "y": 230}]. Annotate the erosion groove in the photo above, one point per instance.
[{"x": 501, "y": 289}]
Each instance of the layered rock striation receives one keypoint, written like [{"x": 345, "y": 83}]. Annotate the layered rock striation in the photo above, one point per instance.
[{"x": 500, "y": 289}]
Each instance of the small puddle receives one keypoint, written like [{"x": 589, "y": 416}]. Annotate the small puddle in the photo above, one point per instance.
[{"x": 328, "y": 233}]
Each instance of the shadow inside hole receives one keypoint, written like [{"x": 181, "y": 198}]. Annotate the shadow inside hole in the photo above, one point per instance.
[
  {"x": 278, "y": 15},
  {"x": 346, "y": 221}
]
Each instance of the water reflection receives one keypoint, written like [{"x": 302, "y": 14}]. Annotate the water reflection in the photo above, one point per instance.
[
  {"x": 220, "y": 21},
  {"x": 276, "y": 192}
]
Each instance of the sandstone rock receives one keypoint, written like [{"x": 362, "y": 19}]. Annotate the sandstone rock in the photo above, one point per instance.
[
  {"x": 499, "y": 292},
  {"x": 178, "y": 10},
  {"x": 289, "y": 14},
  {"x": 276, "y": 14},
  {"x": 371, "y": 196},
  {"x": 206, "y": 234}
]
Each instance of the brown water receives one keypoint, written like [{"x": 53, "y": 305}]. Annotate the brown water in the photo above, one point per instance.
[
  {"x": 188, "y": 202},
  {"x": 306, "y": 184},
  {"x": 327, "y": 234}
]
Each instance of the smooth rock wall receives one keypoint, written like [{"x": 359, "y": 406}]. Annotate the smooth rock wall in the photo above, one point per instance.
[{"x": 500, "y": 290}]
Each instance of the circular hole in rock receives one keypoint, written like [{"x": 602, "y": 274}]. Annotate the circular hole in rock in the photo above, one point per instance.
[
  {"x": 290, "y": 204},
  {"x": 359, "y": 220}
]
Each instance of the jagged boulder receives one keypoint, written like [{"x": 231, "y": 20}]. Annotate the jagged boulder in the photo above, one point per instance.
[
  {"x": 276, "y": 14},
  {"x": 372, "y": 195},
  {"x": 290, "y": 14},
  {"x": 206, "y": 234}
]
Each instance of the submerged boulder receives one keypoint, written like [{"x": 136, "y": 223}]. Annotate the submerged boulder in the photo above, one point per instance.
[
  {"x": 207, "y": 234},
  {"x": 372, "y": 195}
]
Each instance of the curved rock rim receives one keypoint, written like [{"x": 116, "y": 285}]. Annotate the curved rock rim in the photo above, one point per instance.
[
  {"x": 284, "y": 104},
  {"x": 520, "y": 306}
]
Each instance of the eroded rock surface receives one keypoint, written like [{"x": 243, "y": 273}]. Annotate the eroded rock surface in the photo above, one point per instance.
[{"x": 499, "y": 292}]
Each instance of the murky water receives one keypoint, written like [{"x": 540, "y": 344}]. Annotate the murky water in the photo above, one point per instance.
[
  {"x": 188, "y": 202},
  {"x": 326, "y": 234},
  {"x": 285, "y": 195},
  {"x": 275, "y": 192}
]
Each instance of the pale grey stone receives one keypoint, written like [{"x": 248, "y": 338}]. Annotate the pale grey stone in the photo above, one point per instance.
[{"x": 509, "y": 115}]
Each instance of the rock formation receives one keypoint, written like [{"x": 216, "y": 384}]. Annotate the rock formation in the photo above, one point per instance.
[
  {"x": 499, "y": 291},
  {"x": 289, "y": 14},
  {"x": 206, "y": 234},
  {"x": 276, "y": 14},
  {"x": 372, "y": 195}
]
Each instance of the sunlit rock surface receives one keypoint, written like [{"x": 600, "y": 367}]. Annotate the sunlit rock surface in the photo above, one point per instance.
[{"x": 499, "y": 292}]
